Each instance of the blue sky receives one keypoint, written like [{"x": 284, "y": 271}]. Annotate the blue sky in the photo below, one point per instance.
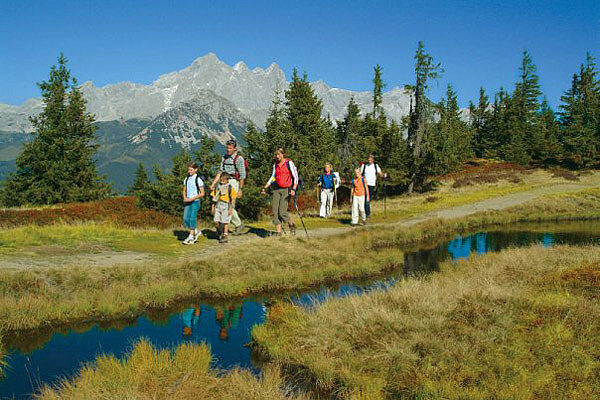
[{"x": 477, "y": 42}]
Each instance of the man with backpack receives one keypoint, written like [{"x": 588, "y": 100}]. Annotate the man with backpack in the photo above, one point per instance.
[
  {"x": 237, "y": 167},
  {"x": 283, "y": 184},
  {"x": 328, "y": 181},
  {"x": 369, "y": 171}
]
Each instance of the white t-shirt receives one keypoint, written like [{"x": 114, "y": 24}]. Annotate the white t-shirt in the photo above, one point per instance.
[
  {"x": 191, "y": 190},
  {"x": 370, "y": 172}
]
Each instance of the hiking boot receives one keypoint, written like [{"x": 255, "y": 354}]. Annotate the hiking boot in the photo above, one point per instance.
[
  {"x": 238, "y": 230},
  {"x": 292, "y": 229},
  {"x": 223, "y": 239},
  {"x": 194, "y": 238},
  {"x": 363, "y": 222}
]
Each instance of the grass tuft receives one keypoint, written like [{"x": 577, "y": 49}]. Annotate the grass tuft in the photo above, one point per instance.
[
  {"x": 523, "y": 324},
  {"x": 182, "y": 373}
]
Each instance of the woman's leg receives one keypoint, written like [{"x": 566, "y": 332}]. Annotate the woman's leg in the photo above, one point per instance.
[
  {"x": 284, "y": 215},
  {"x": 275, "y": 210},
  {"x": 329, "y": 202},
  {"x": 323, "y": 210}
]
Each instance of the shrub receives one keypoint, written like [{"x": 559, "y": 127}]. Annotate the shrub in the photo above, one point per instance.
[{"x": 121, "y": 211}]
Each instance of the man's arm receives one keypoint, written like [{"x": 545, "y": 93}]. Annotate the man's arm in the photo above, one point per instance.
[
  {"x": 240, "y": 165},
  {"x": 214, "y": 182}
]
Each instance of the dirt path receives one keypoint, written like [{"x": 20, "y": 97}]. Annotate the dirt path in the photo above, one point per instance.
[
  {"x": 496, "y": 203},
  {"x": 107, "y": 257}
]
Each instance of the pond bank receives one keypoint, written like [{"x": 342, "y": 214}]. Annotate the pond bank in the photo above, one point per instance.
[
  {"x": 226, "y": 327},
  {"x": 523, "y": 323},
  {"x": 55, "y": 296}
]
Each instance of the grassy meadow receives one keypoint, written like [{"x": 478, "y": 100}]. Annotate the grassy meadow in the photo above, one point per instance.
[
  {"x": 34, "y": 298},
  {"x": 183, "y": 373},
  {"x": 520, "y": 324}
]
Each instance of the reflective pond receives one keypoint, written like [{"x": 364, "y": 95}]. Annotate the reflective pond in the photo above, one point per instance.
[{"x": 47, "y": 358}]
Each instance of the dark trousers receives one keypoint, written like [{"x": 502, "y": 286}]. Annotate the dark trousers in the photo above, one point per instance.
[{"x": 371, "y": 190}]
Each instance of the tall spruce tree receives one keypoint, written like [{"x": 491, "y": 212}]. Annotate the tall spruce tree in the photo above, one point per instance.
[
  {"x": 550, "y": 152},
  {"x": 522, "y": 116},
  {"x": 420, "y": 119},
  {"x": 349, "y": 132},
  {"x": 58, "y": 165},
  {"x": 378, "y": 87},
  {"x": 580, "y": 117},
  {"x": 311, "y": 142},
  {"x": 261, "y": 145},
  {"x": 451, "y": 141},
  {"x": 139, "y": 182},
  {"x": 480, "y": 115}
]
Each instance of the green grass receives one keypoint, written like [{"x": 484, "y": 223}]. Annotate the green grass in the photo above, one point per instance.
[
  {"x": 42, "y": 297},
  {"x": 71, "y": 239},
  {"x": 520, "y": 324},
  {"x": 183, "y": 373},
  {"x": 402, "y": 207}
]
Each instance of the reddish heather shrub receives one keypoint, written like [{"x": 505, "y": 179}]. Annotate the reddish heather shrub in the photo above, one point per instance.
[
  {"x": 565, "y": 174},
  {"x": 122, "y": 211}
]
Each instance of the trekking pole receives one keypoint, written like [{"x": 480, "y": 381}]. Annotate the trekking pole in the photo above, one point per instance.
[
  {"x": 384, "y": 197},
  {"x": 300, "y": 215},
  {"x": 335, "y": 200}
]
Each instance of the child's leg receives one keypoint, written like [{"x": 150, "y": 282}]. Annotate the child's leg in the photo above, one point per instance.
[
  {"x": 226, "y": 229},
  {"x": 355, "y": 202},
  {"x": 193, "y": 217},
  {"x": 361, "y": 208}
]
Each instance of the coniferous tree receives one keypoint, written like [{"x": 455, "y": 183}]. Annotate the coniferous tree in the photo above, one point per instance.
[
  {"x": 261, "y": 145},
  {"x": 58, "y": 165},
  {"x": 522, "y": 116},
  {"x": 480, "y": 115},
  {"x": 207, "y": 159},
  {"x": 311, "y": 142},
  {"x": 165, "y": 193},
  {"x": 580, "y": 117},
  {"x": 420, "y": 119},
  {"x": 378, "y": 87},
  {"x": 451, "y": 141},
  {"x": 349, "y": 133},
  {"x": 139, "y": 182},
  {"x": 551, "y": 150},
  {"x": 393, "y": 155}
]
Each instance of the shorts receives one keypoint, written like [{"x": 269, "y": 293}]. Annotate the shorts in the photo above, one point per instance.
[{"x": 222, "y": 213}]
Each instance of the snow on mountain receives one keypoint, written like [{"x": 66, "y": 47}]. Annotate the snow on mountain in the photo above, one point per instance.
[
  {"x": 250, "y": 90},
  {"x": 206, "y": 114}
]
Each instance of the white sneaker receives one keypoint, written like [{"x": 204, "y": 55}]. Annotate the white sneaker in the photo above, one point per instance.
[
  {"x": 194, "y": 239},
  {"x": 188, "y": 240}
]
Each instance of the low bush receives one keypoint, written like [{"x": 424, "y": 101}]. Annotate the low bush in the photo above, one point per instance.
[{"x": 120, "y": 211}]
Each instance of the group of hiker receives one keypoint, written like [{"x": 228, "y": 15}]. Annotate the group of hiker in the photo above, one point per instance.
[{"x": 283, "y": 187}]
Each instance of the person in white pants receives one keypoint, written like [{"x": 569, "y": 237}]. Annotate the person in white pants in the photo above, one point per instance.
[
  {"x": 360, "y": 194},
  {"x": 327, "y": 182}
]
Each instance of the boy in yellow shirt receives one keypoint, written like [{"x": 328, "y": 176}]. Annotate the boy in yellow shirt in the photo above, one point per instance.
[{"x": 224, "y": 196}]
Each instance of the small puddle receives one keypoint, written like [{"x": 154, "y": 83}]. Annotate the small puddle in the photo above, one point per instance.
[{"x": 46, "y": 359}]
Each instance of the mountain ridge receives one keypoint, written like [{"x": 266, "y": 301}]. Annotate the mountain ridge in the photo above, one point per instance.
[{"x": 250, "y": 90}]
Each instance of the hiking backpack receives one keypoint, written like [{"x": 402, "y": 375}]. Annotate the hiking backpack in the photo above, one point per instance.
[
  {"x": 197, "y": 184},
  {"x": 237, "y": 173},
  {"x": 300, "y": 186}
]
